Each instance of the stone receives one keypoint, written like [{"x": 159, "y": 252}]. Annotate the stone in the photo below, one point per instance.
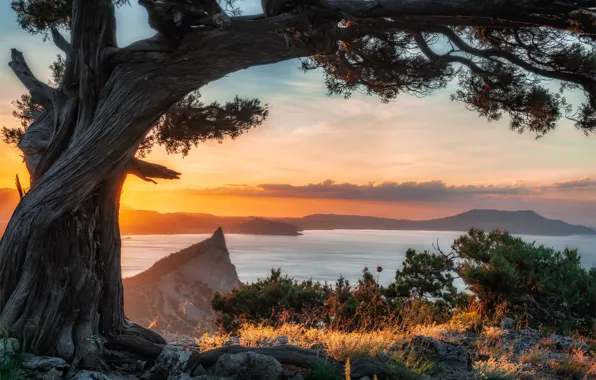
[
  {"x": 248, "y": 366},
  {"x": 507, "y": 323},
  {"x": 452, "y": 361},
  {"x": 171, "y": 362},
  {"x": 52, "y": 374},
  {"x": 44, "y": 363},
  {"x": 365, "y": 378},
  {"x": 198, "y": 371},
  {"x": 566, "y": 343},
  {"x": 92, "y": 375}
]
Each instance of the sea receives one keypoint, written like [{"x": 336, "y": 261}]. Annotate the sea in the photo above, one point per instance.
[{"x": 322, "y": 255}]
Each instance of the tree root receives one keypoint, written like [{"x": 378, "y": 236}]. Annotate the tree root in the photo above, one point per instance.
[
  {"x": 295, "y": 356},
  {"x": 133, "y": 343}
]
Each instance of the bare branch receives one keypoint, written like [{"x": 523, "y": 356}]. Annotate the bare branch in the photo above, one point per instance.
[
  {"x": 431, "y": 55},
  {"x": 19, "y": 187},
  {"x": 147, "y": 170},
  {"x": 61, "y": 42},
  {"x": 40, "y": 92}
]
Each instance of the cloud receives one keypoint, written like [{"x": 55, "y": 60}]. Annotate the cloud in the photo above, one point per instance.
[
  {"x": 394, "y": 191},
  {"x": 584, "y": 183}
]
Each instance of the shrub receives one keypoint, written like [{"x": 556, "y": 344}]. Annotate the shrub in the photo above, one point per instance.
[
  {"x": 539, "y": 284},
  {"x": 504, "y": 275}
]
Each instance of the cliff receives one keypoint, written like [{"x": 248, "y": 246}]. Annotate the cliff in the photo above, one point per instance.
[{"x": 175, "y": 294}]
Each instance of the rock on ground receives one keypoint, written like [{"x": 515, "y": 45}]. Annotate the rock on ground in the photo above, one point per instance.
[
  {"x": 171, "y": 362},
  {"x": 452, "y": 361},
  {"x": 247, "y": 366}
]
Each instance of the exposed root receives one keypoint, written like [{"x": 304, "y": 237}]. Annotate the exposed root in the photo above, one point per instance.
[{"x": 133, "y": 343}]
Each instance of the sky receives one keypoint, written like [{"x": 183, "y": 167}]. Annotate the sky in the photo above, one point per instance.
[{"x": 413, "y": 158}]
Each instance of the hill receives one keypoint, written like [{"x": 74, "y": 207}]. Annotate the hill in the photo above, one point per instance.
[
  {"x": 516, "y": 222},
  {"x": 260, "y": 226}
]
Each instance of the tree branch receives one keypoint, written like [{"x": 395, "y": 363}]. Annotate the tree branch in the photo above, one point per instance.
[
  {"x": 459, "y": 12},
  {"x": 586, "y": 83},
  {"x": 431, "y": 55},
  {"x": 61, "y": 42},
  {"x": 147, "y": 170},
  {"x": 40, "y": 92}
]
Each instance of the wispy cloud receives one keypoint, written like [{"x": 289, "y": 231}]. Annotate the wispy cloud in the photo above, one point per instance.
[
  {"x": 435, "y": 191},
  {"x": 584, "y": 183}
]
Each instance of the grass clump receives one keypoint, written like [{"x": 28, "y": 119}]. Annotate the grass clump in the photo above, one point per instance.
[
  {"x": 323, "y": 370},
  {"x": 496, "y": 369},
  {"x": 9, "y": 360},
  {"x": 405, "y": 367},
  {"x": 576, "y": 365}
]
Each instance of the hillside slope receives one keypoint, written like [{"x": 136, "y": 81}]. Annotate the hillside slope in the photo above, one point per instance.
[{"x": 176, "y": 292}]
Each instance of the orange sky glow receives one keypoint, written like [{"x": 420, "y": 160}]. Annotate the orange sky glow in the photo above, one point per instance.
[{"x": 447, "y": 157}]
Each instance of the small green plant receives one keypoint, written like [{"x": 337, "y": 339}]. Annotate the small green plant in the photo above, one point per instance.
[
  {"x": 409, "y": 367},
  {"x": 9, "y": 360},
  {"x": 322, "y": 369}
]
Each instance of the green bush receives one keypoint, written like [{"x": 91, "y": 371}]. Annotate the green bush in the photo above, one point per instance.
[
  {"x": 543, "y": 286},
  {"x": 503, "y": 274}
]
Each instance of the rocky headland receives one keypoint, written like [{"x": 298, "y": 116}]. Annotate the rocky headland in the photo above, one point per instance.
[{"x": 174, "y": 295}]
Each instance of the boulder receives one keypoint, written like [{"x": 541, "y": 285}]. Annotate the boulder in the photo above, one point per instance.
[
  {"x": 171, "y": 362},
  {"x": 452, "y": 361},
  {"x": 247, "y": 366},
  {"x": 566, "y": 343},
  {"x": 44, "y": 363}
]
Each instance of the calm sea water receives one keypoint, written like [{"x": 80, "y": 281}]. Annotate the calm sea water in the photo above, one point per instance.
[{"x": 320, "y": 255}]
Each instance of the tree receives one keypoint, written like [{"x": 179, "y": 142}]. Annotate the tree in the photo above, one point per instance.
[
  {"x": 426, "y": 275},
  {"x": 60, "y": 254}
]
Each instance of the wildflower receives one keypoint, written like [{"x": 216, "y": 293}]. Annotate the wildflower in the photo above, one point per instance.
[{"x": 379, "y": 269}]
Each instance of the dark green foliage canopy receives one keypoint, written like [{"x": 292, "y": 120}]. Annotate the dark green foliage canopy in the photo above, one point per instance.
[{"x": 499, "y": 71}]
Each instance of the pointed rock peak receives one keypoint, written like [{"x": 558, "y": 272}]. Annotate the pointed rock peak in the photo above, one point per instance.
[{"x": 218, "y": 239}]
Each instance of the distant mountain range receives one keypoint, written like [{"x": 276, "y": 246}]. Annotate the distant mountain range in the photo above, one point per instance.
[
  {"x": 138, "y": 222},
  {"x": 517, "y": 222}
]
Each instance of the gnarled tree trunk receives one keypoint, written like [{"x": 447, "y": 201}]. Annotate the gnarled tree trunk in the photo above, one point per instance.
[{"x": 61, "y": 287}]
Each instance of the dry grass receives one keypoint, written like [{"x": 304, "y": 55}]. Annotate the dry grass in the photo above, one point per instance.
[
  {"x": 338, "y": 344},
  {"x": 492, "y": 333},
  {"x": 494, "y": 368},
  {"x": 533, "y": 356},
  {"x": 459, "y": 325},
  {"x": 575, "y": 365}
]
